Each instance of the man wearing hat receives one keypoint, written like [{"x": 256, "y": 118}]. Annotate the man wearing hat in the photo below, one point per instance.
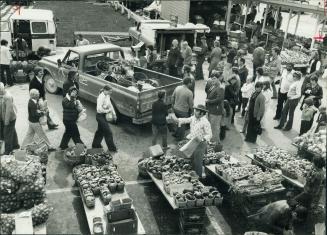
[
  {"x": 201, "y": 55},
  {"x": 201, "y": 130},
  {"x": 38, "y": 83},
  {"x": 293, "y": 97},
  {"x": 70, "y": 116}
]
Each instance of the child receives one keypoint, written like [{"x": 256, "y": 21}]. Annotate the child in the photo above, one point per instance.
[
  {"x": 322, "y": 118},
  {"x": 307, "y": 116},
  {"x": 247, "y": 90}
]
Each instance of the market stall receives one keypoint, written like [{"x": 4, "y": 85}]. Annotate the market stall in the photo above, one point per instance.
[
  {"x": 181, "y": 187},
  {"x": 107, "y": 205},
  {"x": 248, "y": 186},
  {"x": 23, "y": 204}
]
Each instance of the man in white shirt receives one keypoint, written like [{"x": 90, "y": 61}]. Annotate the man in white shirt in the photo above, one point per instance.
[
  {"x": 81, "y": 41},
  {"x": 285, "y": 83},
  {"x": 5, "y": 60},
  {"x": 200, "y": 129},
  {"x": 293, "y": 97}
]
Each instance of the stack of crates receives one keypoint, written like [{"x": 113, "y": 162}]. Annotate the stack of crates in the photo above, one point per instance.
[{"x": 191, "y": 221}]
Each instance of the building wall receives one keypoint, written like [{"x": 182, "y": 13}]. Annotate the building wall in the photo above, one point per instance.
[{"x": 180, "y": 8}]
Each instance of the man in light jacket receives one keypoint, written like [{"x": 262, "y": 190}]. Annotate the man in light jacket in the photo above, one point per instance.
[{"x": 8, "y": 120}]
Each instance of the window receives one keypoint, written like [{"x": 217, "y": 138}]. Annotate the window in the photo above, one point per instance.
[
  {"x": 4, "y": 27},
  {"x": 72, "y": 59},
  {"x": 39, "y": 27}
]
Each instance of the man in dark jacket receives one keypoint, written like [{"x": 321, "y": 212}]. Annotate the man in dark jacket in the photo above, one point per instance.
[
  {"x": 38, "y": 83},
  {"x": 159, "y": 123},
  {"x": 215, "y": 105},
  {"x": 72, "y": 81},
  {"x": 243, "y": 73},
  {"x": 70, "y": 116}
]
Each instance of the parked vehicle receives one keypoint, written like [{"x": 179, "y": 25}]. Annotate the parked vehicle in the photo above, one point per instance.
[
  {"x": 37, "y": 27},
  {"x": 127, "y": 99}
]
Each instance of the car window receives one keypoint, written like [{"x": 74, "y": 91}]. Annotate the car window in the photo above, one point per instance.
[
  {"x": 91, "y": 61},
  {"x": 72, "y": 59},
  {"x": 39, "y": 27}
]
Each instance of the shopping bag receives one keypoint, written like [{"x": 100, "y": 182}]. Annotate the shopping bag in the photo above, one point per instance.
[
  {"x": 111, "y": 117},
  {"x": 189, "y": 148},
  {"x": 82, "y": 115},
  {"x": 43, "y": 120}
]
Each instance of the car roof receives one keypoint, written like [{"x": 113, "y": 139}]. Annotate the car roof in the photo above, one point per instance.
[
  {"x": 95, "y": 48},
  {"x": 32, "y": 14}
]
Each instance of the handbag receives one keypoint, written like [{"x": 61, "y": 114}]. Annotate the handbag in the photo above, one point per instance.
[
  {"x": 189, "y": 148},
  {"x": 111, "y": 117},
  {"x": 82, "y": 116}
]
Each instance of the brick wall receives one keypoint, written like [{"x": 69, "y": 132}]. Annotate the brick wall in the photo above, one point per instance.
[{"x": 179, "y": 8}]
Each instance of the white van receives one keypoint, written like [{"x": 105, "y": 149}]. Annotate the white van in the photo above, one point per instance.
[{"x": 36, "y": 26}]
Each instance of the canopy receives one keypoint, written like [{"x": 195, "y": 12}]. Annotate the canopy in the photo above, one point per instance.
[{"x": 154, "y": 6}]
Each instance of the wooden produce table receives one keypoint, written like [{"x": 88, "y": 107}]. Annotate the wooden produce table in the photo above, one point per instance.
[
  {"x": 247, "y": 203},
  {"x": 290, "y": 180},
  {"x": 185, "y": 214},
  {"x": 99, "y": 211}
]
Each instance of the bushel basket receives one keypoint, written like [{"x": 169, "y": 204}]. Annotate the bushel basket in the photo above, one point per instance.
[{"x": 73, "y": 156}]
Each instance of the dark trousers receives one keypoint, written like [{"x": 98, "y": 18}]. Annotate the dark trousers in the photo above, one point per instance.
[
  {"x": 244, "y": 104},
  {"x": 172, "y": 70},
  {"x": 199, "y": 70},
  {"x": 233, "y": 109},
  {"x": 8, "y": 79},
  {"x": 282, "y": 97},
  {"x": 71, "y": 132},
  {"x": 105, "y": 132},
  {"x": 159, "y": 131},
  {"x": 305, "y": 126},
  {"x": 9, "y": 135},
  {"x": 180, "y": 131},
  {"x": 289, "y": 110},
  {"x": 273, "y": 86},
  {"x": 49, "y": 120}
]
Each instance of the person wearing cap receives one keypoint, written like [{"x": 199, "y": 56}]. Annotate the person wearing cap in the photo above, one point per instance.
[
  {"x": 182, "y": 101},
  {"x": 38, "y": 83},
  {"x": 215, "y": 104},
  {"x": 285, "y": 82},
  {"x": 256, "y": 110},
  {"x": 307, "y": 116},
  {"x": 104, "y": 106},
  {"x": 70, "y": 116},
  {"x": 8, "y": 114},
  {"x": 34, "y": 115},
  {"x": 174, "y": 59},
  {"x": 72, "y": 80},
  {"x": 201, "y": 55},
  {"x": 215, "y": 56},
  {"x": 5, "y": 61},
  {"x": 293, "y": 97},
  {"x": 200, "y": 129},
  {"x": 81, "y": 41}
]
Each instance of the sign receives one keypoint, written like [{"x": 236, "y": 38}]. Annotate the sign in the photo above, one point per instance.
[{"x": 319, "y": 37}]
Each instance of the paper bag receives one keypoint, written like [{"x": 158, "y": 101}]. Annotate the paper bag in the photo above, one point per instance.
[{"x": 189, "y": 148}]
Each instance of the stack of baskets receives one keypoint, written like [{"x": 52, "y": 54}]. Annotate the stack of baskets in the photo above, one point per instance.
[{"x": 75, "y": 155}]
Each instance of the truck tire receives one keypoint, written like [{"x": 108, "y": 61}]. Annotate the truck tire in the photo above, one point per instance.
[{"x": 50, "y": 84}]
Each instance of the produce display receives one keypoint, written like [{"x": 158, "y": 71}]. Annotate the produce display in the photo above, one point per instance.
[
  {"x": 40, "y": 214},
  {"x": 100, "y": 158},
  {"x": 22, "y": 183},
  {"x": 291, "y": 165},
  {"x": 98, "y": 181},
  {"x": 165, "y": 163},
  {"x": 212, "y": 157},
  {"x": 313, "y": 142},
  {"x": 259, "y": 183},
  {"x": 295, "y": 57},
  {"x": 237, "y": 171}
]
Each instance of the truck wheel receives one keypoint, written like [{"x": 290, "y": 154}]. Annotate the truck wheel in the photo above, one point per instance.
[{"x": 50, "y": 84}]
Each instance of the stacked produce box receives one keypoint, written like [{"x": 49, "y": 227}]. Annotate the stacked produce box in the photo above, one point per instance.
[{"x": 22, "y": 186}]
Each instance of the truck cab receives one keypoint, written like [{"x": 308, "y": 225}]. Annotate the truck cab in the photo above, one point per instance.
[{"x": 37, "y": 27}]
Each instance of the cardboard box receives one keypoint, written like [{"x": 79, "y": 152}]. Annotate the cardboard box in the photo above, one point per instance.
[
  {"x": 156, "y": 150},
  {"x": 23, "y": 223}
]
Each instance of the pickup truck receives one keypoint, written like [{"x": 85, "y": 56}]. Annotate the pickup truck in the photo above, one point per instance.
[{"x": 134, "y": 103}]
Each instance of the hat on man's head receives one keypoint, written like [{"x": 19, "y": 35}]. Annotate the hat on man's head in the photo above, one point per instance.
[{"x": 201, "y": 108}]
